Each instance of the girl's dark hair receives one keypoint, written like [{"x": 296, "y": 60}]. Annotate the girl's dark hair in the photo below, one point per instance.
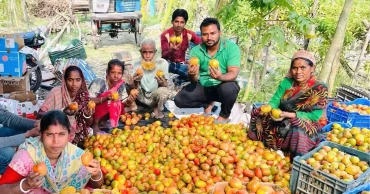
[
  {"x": 114, "y": 62},
  {"x": 309, "y": 62},
  {"x": 70, "y": 69},
  {"x": 180, "y": 13},
  {"x": 54, "y": 117}
]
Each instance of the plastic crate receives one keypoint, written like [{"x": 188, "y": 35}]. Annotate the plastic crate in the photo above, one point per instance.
[
  {"x": 349, "y": 93},
  {"x": 335, "y": 114},
  {"x": 77, "y": 51},
  {"x": 111, "y": 8},
  {"x": 304, "y": 181},
  {"x": 327, "y": 127},
  {"x": 257, "y": 104},
  {"x": 127, "y": 5},
  {"x": 358, "y": 190},
  {"x": 220, "y": 187}
]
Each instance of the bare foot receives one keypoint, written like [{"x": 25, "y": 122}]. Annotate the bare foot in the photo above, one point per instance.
[
  {"x": 158, "y": 114},
  {"x": 96, "y": 131},
  {"x": 133, "y": 107},
  {"x": 209, "y": 108},
  {"x": 221, "y": 119}
]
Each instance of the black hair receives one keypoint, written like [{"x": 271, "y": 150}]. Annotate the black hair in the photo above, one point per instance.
[
  {"x": 114, "y": 62},
  {"x": 180, "y": 13},
  {"x": 54, "y": 117},
  {"x": 309, "y": 62},
  {"x": 209, "y": 21},
  {"x": 70, "y": 69}
]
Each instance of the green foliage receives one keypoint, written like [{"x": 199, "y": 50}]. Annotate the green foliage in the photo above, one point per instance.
[
  {"x": 287, "y": 34},
  {"x": 257, "y": 14}
]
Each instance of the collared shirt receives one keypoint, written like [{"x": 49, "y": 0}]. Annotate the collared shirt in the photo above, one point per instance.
[
  {"x": 178, "y": 55},
  {"x": 228, "y": 55},
  {"x": 148, "y": 82}
]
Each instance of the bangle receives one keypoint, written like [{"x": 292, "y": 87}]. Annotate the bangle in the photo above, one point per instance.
[
  {"x": 101, "y": 176},
  {"x": 20, "y": 187},
  {"x": 86, "y": 117}
]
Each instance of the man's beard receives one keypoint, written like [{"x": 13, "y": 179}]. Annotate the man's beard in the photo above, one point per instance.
[{"x": 215, "y": 43}]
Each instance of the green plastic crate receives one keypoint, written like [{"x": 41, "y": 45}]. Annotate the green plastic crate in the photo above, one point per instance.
[
  {"x": 77, "y": 51},
  {"x": 304, "y": 180}
]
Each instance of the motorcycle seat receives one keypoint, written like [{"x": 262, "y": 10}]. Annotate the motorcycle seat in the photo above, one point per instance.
[{"x": 28, "y": 38}]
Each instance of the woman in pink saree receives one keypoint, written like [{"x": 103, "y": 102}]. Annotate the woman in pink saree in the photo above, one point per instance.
[
  {"x": 108, "y": 110},
  {"x": 73, "y": 89}
]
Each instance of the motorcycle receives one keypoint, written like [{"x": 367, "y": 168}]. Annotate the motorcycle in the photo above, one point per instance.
[{"x": 33, "y": 41}]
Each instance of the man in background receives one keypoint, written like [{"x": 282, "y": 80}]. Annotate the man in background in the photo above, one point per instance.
[
  {"x": 175, "y": 41},
  {"x": 14, "y": 130}
]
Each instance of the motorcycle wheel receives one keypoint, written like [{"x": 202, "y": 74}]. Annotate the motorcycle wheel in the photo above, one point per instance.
[{"x": 35, "y": 76}]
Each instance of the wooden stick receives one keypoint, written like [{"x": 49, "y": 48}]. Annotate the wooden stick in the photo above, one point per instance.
[
  {"x": 52, "y": 22},
  {"x": 53, "y": 42},
  {"x": 79, "y": 29}
]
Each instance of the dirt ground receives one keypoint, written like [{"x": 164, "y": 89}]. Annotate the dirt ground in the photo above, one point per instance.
[{"x": 100, "y": 57}]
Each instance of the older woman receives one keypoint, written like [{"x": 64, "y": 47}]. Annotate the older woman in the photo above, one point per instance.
[
  {"x": 109, "y": 109},
  {"x": 302, "y": 99},
  {"x": 62, "y": 162}
]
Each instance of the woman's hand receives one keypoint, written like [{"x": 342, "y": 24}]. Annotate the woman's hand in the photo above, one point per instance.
[
  {"x": 89, "y": 111},
  {"x": 94, "y": 169},
  {"x": 289, "y": 115},
  {"x": 277, "y": 119},
  {"x": 69, "y": 112},
  {"x": 33, "y": 181}
]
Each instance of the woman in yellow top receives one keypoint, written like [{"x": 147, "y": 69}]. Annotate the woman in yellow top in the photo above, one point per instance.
[
  {"x": 302, "y": 99},
  {"x": 63, "y": 166}
]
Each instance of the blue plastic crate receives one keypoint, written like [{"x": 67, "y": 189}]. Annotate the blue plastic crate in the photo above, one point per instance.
[
  {"x": 327, "y": 127},
  {"x": 336, "y": 114},
  {"x": 127, "y": 5},
  {"x": 358, "y": 190},
  {"x": 304, "y": 181}
]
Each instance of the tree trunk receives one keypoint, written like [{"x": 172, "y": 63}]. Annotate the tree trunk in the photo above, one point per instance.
[
  {"x": 10, "y": 13},
  {"x": 187, "y": 2},
  {"x": 360, "y": 59},
  {"x": 337, "y": 41},
  {"x": 167, "y": 14},
  {"x": 346, "y": 67},
  {"x": 161, "y": 7},
  {"x": 25, "y": 13},
  {"x": 144, "y": 9},
  {"x": 256, "y": 48},
  {"x": 220, "y": 4},
  {"x": 247, "y": 48},
  {"x": 13, "y": 5},
  {"x": 268, "y": 49},
  {"x": 334, "y": 72},
  {"x": 315, "y": 6},
  {"x": 265, "y": 62}
]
